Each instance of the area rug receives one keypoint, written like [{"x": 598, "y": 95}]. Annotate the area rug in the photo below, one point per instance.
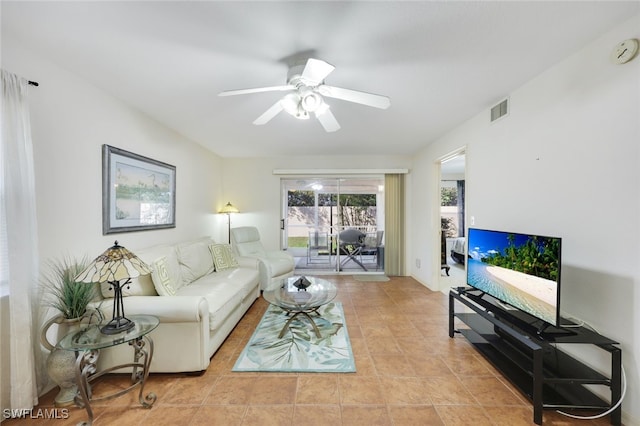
[
  {"x": 371, "y": 278},
  {"x": 299, "y": 350}
]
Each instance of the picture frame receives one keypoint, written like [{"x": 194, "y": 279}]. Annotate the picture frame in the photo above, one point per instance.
[{"x": 138, "y": 193}]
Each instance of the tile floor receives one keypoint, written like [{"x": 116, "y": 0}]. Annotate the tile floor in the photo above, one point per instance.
[{"x": 409, "y": 373}]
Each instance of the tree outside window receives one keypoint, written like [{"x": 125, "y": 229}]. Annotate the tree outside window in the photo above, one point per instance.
[{"x": 449, "y": 210}]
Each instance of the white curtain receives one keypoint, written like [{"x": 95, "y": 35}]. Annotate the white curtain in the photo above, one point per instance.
[{"x": 18, "y": 249}]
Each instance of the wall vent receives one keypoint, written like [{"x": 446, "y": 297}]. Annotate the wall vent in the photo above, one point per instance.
[{"x": 500, "y": 110}]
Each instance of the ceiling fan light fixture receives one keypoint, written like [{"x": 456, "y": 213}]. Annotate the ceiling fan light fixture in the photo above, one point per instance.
[
  {"x": 311, "y": 101},
  {"x": 302, "y": 114},
  {"x": 291, "y": 104}
]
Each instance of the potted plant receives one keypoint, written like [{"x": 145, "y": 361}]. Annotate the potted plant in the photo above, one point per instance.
[
  {"x": 70, "y": 298},
  {"x": 62, "y": 292}
]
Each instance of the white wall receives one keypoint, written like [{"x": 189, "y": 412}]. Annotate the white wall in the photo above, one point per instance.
[
  {"x": 70, "y": 121},
  {"x": 567, "y": 153}
]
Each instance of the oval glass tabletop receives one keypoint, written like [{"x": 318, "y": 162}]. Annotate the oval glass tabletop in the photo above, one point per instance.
[
  {"x": 296, "y": 294},
  {"x": 90, "y": 337}
]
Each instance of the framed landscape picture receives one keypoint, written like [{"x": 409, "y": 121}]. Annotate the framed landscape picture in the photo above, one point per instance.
[{"x": 138, "y": 193}]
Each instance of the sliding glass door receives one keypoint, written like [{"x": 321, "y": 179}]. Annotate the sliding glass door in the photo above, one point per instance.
[{"x": 315, "y": 212}]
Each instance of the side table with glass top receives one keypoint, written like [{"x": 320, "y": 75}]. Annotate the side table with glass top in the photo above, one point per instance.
[{"x": 87, "y": 344}]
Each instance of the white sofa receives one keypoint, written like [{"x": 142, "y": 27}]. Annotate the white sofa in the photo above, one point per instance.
[
  {"x": 274, "y": 264},
  {"x": 197, "y": 302}
]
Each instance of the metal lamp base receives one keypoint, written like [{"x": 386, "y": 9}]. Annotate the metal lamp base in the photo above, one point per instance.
[{"x": 117, "y": 325}]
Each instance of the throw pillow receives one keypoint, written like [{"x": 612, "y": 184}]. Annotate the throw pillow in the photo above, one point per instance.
[
  {"x": 223, "y": 258},
  {"x": 195, "y": 260},
  {"x": 161, "y": 279}
]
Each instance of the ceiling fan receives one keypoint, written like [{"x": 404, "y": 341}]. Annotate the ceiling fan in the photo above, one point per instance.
[{"x": 305, "y": 82}]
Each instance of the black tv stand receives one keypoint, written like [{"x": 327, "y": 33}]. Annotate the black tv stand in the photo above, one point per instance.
[
  {"x": 526, "y": 353},
  {"x": 547, "y": 332}
]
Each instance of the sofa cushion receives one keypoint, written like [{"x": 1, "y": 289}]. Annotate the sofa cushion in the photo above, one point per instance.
[
  {"x": 223, "y": 291},
  {"x": 195, "y": 260},
  {"x": 152, "y": 254},
  {"x": 223, "y": 258},
  {"x": 161, "y": 278}
]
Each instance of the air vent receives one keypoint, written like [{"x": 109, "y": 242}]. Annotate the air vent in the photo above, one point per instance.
[{"x": 499, "y": 110}]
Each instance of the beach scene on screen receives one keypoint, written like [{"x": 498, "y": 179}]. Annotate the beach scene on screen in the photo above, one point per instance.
[{"x": 521, "y": 270}]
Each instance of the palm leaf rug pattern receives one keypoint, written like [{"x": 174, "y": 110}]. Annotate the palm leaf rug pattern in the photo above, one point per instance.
[{"x": 299, "y": 350}]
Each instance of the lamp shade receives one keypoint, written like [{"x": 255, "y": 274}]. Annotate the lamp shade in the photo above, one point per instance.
[
  {"x": 229, "y": 208},
  {"x": 115, "y": 264}
]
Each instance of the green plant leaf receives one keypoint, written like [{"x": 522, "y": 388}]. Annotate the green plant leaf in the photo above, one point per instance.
[{"x": 62, "y": 292}]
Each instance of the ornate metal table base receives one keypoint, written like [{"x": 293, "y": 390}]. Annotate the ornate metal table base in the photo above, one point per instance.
[
  {"x": 86, "y": 374},
  {"x": 306, "y": 314}
]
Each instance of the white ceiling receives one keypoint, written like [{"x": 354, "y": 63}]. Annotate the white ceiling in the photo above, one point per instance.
[{"x": 439, "y": 62}]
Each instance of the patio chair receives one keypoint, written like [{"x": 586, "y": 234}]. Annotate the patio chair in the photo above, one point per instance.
[
  {"x": 350, "y": 244},
  {"x": 318, "y": 247},
  {"x": 372, "y": 244}
]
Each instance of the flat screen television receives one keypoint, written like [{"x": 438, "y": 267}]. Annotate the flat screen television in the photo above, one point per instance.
[{"x": 521, "y": 270}]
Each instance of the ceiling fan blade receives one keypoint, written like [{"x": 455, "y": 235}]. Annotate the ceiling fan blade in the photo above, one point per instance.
[
  {"x": 269, "y": 114},
  {"x": 328, "y": 121},
  {"x": 257, "y": 90},
  {"x": 369, "y": 99},
  {"x": 315, "y": 71}
]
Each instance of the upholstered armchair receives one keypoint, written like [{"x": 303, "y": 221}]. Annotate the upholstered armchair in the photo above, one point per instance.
[{"x": 273, "y": 264}]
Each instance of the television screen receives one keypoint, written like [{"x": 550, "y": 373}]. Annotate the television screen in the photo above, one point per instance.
[{"x": 519, "y": 269}]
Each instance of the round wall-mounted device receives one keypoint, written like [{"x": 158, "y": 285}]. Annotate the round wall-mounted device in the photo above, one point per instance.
[{"x": 624, "y": 51}]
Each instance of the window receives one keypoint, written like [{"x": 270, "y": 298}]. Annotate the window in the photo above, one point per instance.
[{"x": 330, "y": 205}]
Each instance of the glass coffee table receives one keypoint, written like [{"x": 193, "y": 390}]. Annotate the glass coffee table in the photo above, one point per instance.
[{"x": 297, "y": 301}]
